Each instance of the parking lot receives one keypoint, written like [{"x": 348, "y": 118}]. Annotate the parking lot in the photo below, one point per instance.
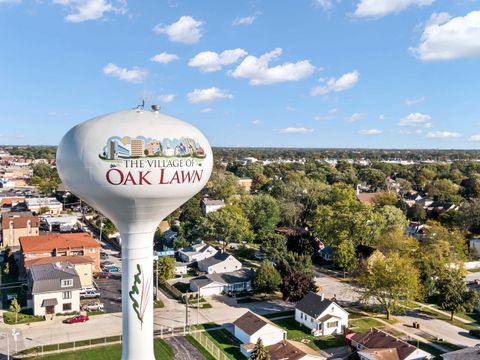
[{"x": 110, "y": 292}]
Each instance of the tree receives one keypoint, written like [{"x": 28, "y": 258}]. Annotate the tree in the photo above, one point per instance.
[
  {"x": 15, "y": 308},
  {"x": 389, "y": 280},
  {"x": 385, "y": 198},
  {"x": 296, "y": 285},
  {"x": 453, "y": 293},
  {"x": 180, "y": 242},
  {"x": 417, "y": 213},
  {"x": 224, "y": 185},
  {"x": 228, "y": 224},
  {"x": 166, "y": 268},
  {"x": 259, "y": 352},
  {"x": 263, "y": 213},
  {"x": 393, "y": 218},
  {"x": 274, "y": 246},
  {"x": 292, "y": 262},
  {"x": 345, "y": 256},
  {"x": 267, "y": 279}
]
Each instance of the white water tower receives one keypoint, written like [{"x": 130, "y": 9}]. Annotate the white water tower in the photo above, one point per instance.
[{"x": 135, "y": 167}]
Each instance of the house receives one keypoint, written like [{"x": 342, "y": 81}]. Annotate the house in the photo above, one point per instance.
[
  {"x": 411, "y": 198},
  {"x": 54, "y": 288},
  {"x": 374, "y": 344},
  {"x": 322, "y": 316},
  {"x": 17, "y": 224},
  {"x": 208, "y": 205},
  {"x": 83, "y": 265},
  {"x": 57, "y": 245},
  {"x": 215, "y": 284},
  {"x": 52, "y": 205},
  {"x": 326, "y": 253},
  {"x": 196, "y": 252},
  {"x": 470, "y": 353},
  {"x": 294, "y": 350},
  {"x": 250, "y": 327},
  {"x": 181, "y": 268},
  {"x": 221, "y": 262}
]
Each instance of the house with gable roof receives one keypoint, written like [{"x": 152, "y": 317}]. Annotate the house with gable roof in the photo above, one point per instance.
[
  {"x": 295, "y": 350},
  {"x": 379, "y": 345},
  {"x": 322, "y": 316},
  {"x": 250, "y": 327},
  {"x": 196, "y": 252},
  {"x": 221, "y": 262}
]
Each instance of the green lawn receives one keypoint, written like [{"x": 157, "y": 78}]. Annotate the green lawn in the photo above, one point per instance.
[
  {"x": 163, "y": 351},
  {"x": 364, "y": 325},
  {"x": 298, "y": 333},
  {"x": 440, "y": 316},
  {"x": 227, "y": 342},
  {"x": 9, "y": 318},
  {"x": 200, "y": 348}
]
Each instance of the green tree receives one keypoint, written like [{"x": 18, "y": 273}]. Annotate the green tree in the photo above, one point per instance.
[
  {"x": 224, "y": 185},
  {"x": 417, "y": 213},
  {"x": 267, "y": 279},
  {"x": 228, "y": 224},
  {"x": 292, "y": 262},
  {"x": 393, "y": 218},
  {"x": 15, "y": 308},
  {"x": 389, "y": 280},
  {"x": 263, "y": 213},
  {"x": 259, "y": 352},
  {"x": 385, "y": 198},
  {"x": 453, "y": 293},
  {"x": 274, "y": 246},
  {"x": 180, "y": 242},
  {"x": 373, "y": 177},
  {"x": 296, "y": 285},
  {"x": 166, "y": 268},
  {"x": 345, "y": 256}
]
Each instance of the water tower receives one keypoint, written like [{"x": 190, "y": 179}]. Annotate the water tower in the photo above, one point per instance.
[{"x": 135, "y": 167}]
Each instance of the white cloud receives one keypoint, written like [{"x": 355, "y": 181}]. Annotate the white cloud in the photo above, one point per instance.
[
  {"x": 325, "y": 4},
  {"x": 410, "y": 132},
  {"x": 411, "y": 102},
  {"x": 446, "y": 38},
  {"x": 259, "y": 73},
  {"x": 475, "y": 137},
  {"x": 247, "y": 20},
  {"x": 209, "y": 61},
  {"x": 442, "y": 135},
  {"x": 186, "y": 30},
  {"x": 355, "y": 117},
  {"x": 207, "y": 110},
  {"x": 333, "y": 111},
  {"x": 289, "y": 108},
  {"x": 164, "y": 58},
  {"x": 416, "y": 120},
  {"x": 294, "y": 130},
  {"x": 379, "y": 8},
  {"x": 256, "y": 122},
  {"x": 324, "y": 117},
  {"x": 166, "y": 98},
  {"x": 344, "y": 82},
  {"x": 83, "y": 10},
  {"x": 208, "y": 95},
  {"x": 381, "y": 117},
  {"x": 370, "y": 132},
  {"x": 134, "y": 75}
]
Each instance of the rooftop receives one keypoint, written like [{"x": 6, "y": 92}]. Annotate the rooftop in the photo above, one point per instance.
[
  {"x": 292, "y": 350},
  {"x": 250, "y": 323},
  {"x": 313, "y": 305},
  {"x": 51, "y": 242},
  {"x": 48, "y": 277}
]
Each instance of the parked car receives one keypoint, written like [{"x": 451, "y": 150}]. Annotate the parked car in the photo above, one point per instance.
[
  {"x": 76, "y": 319},
  {"x": 102, "y": 275},
  {"x": 475, "y": 332},
  {"x": 111, "y": 269},
  {"x": 93, "y": 306},
  {"x": 107, "y": 263},
  {"x": 89, "y": 294}
]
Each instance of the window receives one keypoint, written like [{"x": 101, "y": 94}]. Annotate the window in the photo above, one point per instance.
[
  {"x": 67, "y": 295},
  {"x": 67, "y": 283},
  {"x": 332, "y": 324},
  {"x": 311, "y": 320},
  {"x": 67, "y": 307},
  {"x": 301, "y": 316}
]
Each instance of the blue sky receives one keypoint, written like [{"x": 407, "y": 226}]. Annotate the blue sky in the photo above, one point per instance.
[{"x": 294, "y": 73}]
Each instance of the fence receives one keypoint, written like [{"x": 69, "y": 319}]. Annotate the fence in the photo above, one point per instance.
[{"x": 209, "y": 345}]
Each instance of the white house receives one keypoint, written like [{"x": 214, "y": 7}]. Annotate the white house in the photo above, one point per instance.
[
  {"x": 221, "y": 262},
  {"x": 181, "y": 268},
  {"x": 55, "y": 288},
  {"x": 215, "y": 284},
  {"x": 378, "y": 345},
  {"x": 197, "y": 252},
  {"x": 470, "y": 353},
  {"x": 54, "y": 206},
  {"x": 209, "y": 205},
  {"x": 288, "y": 349},
  {"x": 322, "y": 316},
  {"x": 250, "y": 327}
]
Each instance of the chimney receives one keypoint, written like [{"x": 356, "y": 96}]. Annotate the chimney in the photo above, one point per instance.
[{"x": 322, "y": 295}]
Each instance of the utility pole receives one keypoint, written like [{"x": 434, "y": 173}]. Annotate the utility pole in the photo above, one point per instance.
[
  {"x": 198, "y": 307},
  {"x": 186, "y": 310},
  {"x": 156, "y": 282}
]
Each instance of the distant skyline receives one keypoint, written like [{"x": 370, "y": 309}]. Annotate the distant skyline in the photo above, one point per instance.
[{"x": 297, "y": 73}]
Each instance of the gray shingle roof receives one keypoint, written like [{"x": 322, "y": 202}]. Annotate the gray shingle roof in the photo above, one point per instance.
[
  {"x": 48, "y": 277},
  {"x": 313, "y": 305},
  {"x": 214, "y": 260},
  {"x": 242, "y": 275}
]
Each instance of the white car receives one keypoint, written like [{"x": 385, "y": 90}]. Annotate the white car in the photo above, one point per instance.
[
  {"x": 93, "y": 306},
  {"x": 89, "y": 294}
]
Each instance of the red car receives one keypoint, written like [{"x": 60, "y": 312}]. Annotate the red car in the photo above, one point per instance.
[
  {"x": 102, "y": 275},
  {"x": 77, "y": 319}
]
